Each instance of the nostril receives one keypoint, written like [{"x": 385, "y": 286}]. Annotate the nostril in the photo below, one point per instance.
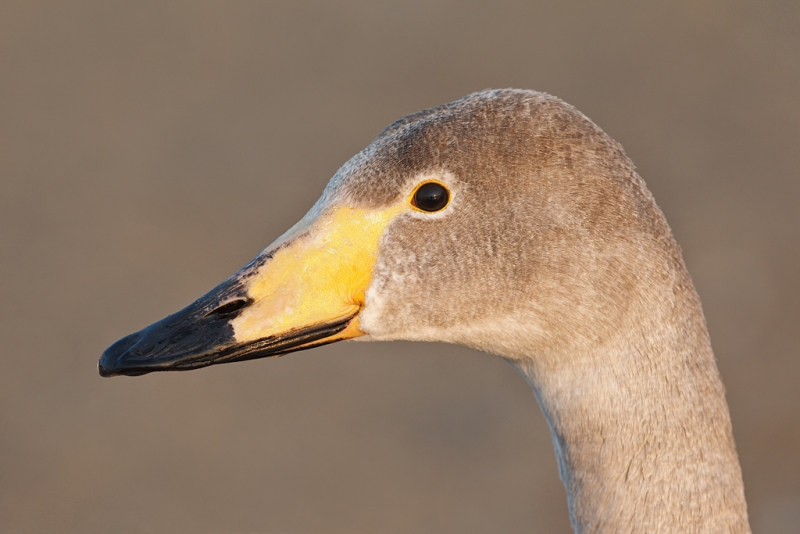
[{"x": 229, "y": 308}]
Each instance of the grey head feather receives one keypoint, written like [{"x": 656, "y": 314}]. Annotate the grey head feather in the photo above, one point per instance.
[
  {"x": 554, "y": 255},
  {"x": 544, "y": 201}
]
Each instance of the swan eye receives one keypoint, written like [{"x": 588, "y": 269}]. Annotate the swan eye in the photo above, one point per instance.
[{"x": 431, "y": 197}]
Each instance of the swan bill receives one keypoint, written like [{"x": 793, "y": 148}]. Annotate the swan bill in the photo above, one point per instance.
[{"x": 303, "y": 291}]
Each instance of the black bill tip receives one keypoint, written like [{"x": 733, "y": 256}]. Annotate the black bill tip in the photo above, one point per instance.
[
  {"x": 196, "y": 337},
  {"x": 111, "y": 362}
]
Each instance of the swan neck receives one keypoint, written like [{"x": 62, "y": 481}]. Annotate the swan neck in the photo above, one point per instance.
[{"x": 642, "y": 431}]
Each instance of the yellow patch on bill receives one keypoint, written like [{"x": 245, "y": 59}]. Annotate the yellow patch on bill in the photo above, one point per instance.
[{"x": 319, "y": 277}]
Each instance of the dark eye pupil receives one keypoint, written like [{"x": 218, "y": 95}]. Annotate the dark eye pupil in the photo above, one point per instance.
[{"x": 431, "y": 197}]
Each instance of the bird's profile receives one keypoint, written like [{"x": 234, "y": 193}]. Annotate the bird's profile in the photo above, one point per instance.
[{"x": 508, "y": 222}]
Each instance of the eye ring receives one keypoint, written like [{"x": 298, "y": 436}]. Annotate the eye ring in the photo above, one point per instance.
[{"x": 430, "y": 197}]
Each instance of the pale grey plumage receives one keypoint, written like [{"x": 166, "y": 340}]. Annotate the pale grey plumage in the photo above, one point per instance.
[{"x": 555, "y": 256}]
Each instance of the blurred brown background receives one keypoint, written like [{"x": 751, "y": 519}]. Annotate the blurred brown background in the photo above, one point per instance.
[{"x": 150, "y": 149}]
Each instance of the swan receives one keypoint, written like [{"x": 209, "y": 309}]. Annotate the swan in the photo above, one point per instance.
[{"x": 506, "y": 221}]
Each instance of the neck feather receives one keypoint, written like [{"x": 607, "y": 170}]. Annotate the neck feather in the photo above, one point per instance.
[{"x": 641, "y": 428}]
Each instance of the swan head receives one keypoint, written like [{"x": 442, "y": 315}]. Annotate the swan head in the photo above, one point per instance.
[{"x": 506, "y": 221}]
